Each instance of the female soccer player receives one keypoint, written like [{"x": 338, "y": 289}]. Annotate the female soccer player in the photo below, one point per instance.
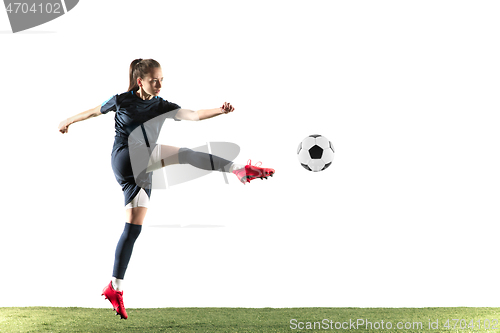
[{"x": 136, "y": 109}]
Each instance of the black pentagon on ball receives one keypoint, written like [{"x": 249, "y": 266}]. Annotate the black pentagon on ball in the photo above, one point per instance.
[
  {"x": 306, "y": 167},
  {"x": 326, "y": 166},
  {"x": 315, "y": 135},
  {"x": 331, "y": 146},
  {"x": 300, "y": 147},
  {"x": 316, "y": 152}
]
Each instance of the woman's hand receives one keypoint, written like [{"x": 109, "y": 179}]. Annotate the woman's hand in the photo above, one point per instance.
[
  {"x": 227, "y": 107},
  {"x": 63, "y": 126}
]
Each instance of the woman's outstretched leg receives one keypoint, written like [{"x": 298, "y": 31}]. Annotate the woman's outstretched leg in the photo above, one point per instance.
[
  {"x": 245, "y": 173},
  {"x": 164, "y": 155}
]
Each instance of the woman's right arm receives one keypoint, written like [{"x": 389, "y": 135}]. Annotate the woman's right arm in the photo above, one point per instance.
[{"x": 63, "y": 126}]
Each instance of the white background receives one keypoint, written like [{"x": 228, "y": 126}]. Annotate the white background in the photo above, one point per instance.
[{"x": 406, "y": 216}]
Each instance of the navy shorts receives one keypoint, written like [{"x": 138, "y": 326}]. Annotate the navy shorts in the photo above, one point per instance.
[{"x": 122, "y": 168}]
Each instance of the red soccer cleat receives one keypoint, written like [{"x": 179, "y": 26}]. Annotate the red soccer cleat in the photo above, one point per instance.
[
  {"x": 250, "y": 172},
  {"x": 116, "y": 299}
]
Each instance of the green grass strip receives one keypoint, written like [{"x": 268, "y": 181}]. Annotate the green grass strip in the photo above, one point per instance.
[{"x": 51, "y": 319}]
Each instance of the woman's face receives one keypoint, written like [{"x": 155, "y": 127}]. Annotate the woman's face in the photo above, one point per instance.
[{"x": 152, "y": 82}]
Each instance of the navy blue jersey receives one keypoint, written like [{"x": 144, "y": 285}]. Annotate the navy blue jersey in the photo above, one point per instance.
[
  {"x": 132, "y": 111},
  {"x": 138, "y": 123}
]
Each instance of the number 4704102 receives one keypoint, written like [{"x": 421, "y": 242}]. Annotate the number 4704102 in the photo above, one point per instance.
[
  {"x": 24, "y": 8},
  {"x": 486, "y": 324}
]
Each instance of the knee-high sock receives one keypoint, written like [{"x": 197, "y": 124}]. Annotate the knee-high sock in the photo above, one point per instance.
[
  {"x": 203, "y": 160},
  {"x": 124, "y": 249}
]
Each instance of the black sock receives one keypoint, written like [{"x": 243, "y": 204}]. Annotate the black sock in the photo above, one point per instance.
[
  {"x": 203, "y": 160},
  {"x": 124, "y": 249}
]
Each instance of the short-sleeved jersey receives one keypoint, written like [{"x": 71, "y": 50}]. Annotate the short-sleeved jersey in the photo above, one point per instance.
[
  {"x": 137, "y": 127},
  {"x": 132, "y": 112}
]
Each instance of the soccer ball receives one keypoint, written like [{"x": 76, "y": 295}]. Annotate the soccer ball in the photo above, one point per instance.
[{"x": 315, "y": 153}]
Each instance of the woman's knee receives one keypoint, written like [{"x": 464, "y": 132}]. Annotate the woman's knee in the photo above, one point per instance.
[
  {"x": 183, "y": 155},
  {"x": 169, "y": 155},
  {"x": 136, "y": 215}
]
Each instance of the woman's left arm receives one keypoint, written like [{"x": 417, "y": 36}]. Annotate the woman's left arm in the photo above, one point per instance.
[{"x": 185, "y": 114}]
